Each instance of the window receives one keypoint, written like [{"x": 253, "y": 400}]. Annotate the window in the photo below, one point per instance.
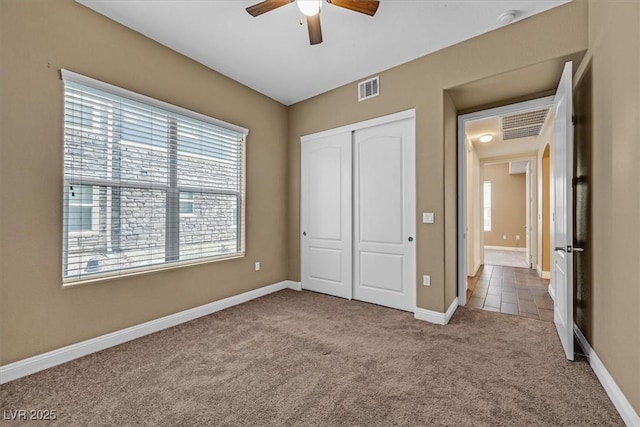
[
  {"x": 487, "y": 205},
  {"x": 186, "y": 203},
  {"x": 80, "y": 216},
  {"x": 155, "y": 184}
]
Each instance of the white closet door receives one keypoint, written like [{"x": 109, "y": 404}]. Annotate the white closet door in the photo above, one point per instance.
[
  {"x": 325, "y": 217},
  {"x": 384, "y": 215}
]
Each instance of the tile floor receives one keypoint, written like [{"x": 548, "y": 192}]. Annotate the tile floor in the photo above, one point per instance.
[{"x": 510, "y": 290}]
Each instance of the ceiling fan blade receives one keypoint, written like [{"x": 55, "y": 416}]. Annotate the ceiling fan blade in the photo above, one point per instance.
[
  {"x": 368, "y": 7},
  {"x": 266, "y": 6},
  {"x": 315, "y": 32}
]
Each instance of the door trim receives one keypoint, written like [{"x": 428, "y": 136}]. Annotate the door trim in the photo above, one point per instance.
[
  {"x": 462, "y": 180},
  {"x": 406, "y": 114}
]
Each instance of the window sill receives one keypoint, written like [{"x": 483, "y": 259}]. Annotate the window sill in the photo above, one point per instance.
[
  {"x": 105, "y": 277},
  {"x": 87, "y": 233}
]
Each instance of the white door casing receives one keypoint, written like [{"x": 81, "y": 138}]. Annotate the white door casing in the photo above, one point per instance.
[
  {"x": 528, "y": 210},
  {"x": 384, "y": 215},
  {"x": 325, "y": 221},
  {"x": 562, "y": 268}
]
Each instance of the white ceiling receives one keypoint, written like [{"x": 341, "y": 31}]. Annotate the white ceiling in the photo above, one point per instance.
[{"x": 271, "y": 53}]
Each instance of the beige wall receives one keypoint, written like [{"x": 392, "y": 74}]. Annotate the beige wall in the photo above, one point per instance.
[
  {"x": 508, "y": 206},
  {"x": 420, "y": 84},
  {"x": 38, "y": 38},
  {"x": 614, "y": 51}
]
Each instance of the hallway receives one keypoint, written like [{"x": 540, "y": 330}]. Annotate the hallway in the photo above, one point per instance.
[{"x": 509, "y": 290}]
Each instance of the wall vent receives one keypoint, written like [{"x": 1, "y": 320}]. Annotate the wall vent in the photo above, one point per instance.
[
  {"x": 522, "y": 125},
  {"x": 369, "y": 88}
]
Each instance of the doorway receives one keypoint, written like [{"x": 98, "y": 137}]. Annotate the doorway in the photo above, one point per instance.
[
  {"x": 358, "y": 211},
  {"x": 562, "y": 203},
  {"x": 506, "y": 212},
  {"x": 502, "y": 151},
  {"x": 506, "y": 190}
]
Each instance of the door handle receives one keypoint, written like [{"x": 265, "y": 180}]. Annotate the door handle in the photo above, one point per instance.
[
  {"x": 568, "y": 249},
  {"x": 304, "y": 233},
  {"x": 410, "y": 239}
]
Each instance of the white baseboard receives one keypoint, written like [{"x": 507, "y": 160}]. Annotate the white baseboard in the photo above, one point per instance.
[
  {"x": 475, "y": 271},
  {"x": 296, "y": 286},
  {"x": 552, "y": 292},
  {"x": 543, "y": 274},
  {"x": 626, "y": 411},
  {"x": 506, "y": 248},
  {"x": 22, "y": 368},
  {"x": 435, "y": 316}
]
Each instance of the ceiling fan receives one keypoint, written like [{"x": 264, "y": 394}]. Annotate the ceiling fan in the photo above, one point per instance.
[{"x": 311, "y": 8}]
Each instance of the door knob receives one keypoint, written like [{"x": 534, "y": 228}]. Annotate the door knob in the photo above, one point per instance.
[
  {"x": 411, "y": 239},
  {"x": 569, "y": 249},
  {"x": 304, "y": 233}
]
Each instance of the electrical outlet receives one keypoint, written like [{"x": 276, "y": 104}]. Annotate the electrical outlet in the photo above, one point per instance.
[
  {"x": 504, "y": 237},
  {"x": 426, "y": 280},
  {"x": 258, "y": 266},
  {"x": 517, "y": 237}
]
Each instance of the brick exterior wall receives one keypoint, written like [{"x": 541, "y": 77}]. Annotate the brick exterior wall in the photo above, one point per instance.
[{"x": 131, "y": 222}]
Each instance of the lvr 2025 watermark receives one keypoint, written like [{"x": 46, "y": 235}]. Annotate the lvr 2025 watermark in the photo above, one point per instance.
[{"x": 29, "y": 414}]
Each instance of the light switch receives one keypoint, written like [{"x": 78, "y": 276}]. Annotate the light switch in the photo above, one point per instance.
[
  {"x": 427, "y": 217},
  {"x": 426, "y": 280}
]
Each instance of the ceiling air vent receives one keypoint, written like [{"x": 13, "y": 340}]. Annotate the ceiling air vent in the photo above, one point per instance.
[
  {"x": 522, "y": 125},
  {"x": 369, "y": 88}
]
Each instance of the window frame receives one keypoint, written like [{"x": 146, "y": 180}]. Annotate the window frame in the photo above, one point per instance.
[
  {"x": 95, "y": 212},
  {"x": 173, "y": 190},
  {"x": 191, "y": 202}
]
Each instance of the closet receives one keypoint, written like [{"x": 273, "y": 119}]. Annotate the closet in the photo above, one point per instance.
[{"x": 358, "y": 211}]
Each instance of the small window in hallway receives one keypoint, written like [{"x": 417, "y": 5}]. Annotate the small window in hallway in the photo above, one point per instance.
[{"x": 487, "y": 205}]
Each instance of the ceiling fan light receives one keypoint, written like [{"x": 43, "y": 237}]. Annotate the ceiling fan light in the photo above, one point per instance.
[
  {"x": 486, "y": 138},
  {"x": 309, "y": 7}
]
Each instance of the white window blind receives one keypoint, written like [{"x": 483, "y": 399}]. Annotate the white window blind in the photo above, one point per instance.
[
  {"x": 146, "y": 184},
  {"x": 486, "y": 196}
]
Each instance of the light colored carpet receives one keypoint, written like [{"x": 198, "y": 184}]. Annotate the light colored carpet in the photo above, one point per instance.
[
  {"x": 505, "y": 258},
  {"x": 305, "y": 359}
]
